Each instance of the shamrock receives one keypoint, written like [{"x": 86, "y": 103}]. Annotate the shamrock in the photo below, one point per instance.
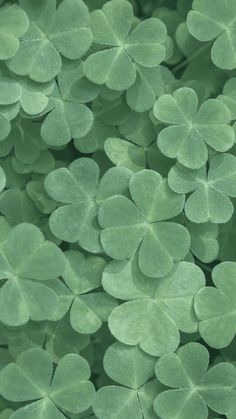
[
  {"x": 215, "y": 307},
  {"x": 111, "y": 27},
  {"x": 153, "y": 321},
  {"x": 32, "y": 379},
  {"x": 88, "y": 309},
  {"x": 52, "y": 31},
  {"x": 131, "y": 368},
  {"x": 209, "y": 200},
  {"x": 192, "y": 128},
  {"x": 194, "y": 388},
  {"x": 68, "y": 118},
  {"x": 207, "y": 23},
  {"x": 79, "y": 187},
  {"x": 129, "y": 225},
  {"x": 26, "y": 259},
  {"x": 13, "y": 24}
]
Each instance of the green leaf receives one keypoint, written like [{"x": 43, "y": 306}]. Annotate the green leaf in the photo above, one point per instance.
[
  {"x": 153, "y": 322},
  {"x": 145, "y": 45},
  {"x": 215, "y": 307},
  {"x": 13, "y": 24},
  {"x": 72, "y": 40},
  {"x": 71, "y": 380},
  {"x": 207, "y": 23},
  {"x": 209, "y": 200},
  {"x": 190, "y": 128},
  {"x": 193, "y": 387},
  {"x": 128, "y": 365},
  {"x": 126, "y": 226},
  {"x": 27, "y": 379}
]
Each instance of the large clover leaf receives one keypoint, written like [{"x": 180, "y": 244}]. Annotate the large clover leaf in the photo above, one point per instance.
[
  {"x": 79, "y": 188},
  {"x": 215, "y": 307},
  {"x": 88, "y": 309},
  {"x": 52, "y": 31},
  {"x": 13, "y": 24},
  {"x": 145, "y": 45},
  {"x": 209, "y": 200},
  {"x": 153, "y": 322},
  {"x": 131, "y": 368},
  {"x": 193, "y": 387},
  {"x": 207, "y": 23},
  {"x": 31, "y": 378},
  {"x": 128, "y": 225},
  {"x": 192, "y": 129},
  {"x": 25, "y": 260}
]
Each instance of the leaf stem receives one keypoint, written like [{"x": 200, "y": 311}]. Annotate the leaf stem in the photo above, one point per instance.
[{"x": 189, "y": 59}]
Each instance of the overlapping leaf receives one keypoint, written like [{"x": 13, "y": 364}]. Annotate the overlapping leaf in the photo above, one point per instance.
[{"x": 191, "y": 129}]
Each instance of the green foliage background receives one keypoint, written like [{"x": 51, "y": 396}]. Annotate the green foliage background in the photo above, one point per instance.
[{"x": 117, "y": 209}]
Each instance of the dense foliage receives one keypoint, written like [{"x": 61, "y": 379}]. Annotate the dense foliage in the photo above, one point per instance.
[{"x": 117, "y": 209}]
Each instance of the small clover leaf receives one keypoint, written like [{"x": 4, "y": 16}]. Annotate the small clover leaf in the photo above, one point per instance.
[
  {"x": 128, "y": 224},
  {"x": 68, "y": 117},
  {"x": 153, "y": 322},
  {"x": 209, "y": 200},
  {"x": 192, "y": 128},
  {"x": 131, "y": 368},
  {"x": 126, "y": 403},
  {"x": 48, "y": 35},
  {"x": 88, "y": 309},
  {"x": 207, "y": 23},
  {"x": 68, "y": 388},
  {"x": 79, "y": 188},
  {"x": 13, "y": 24},
  {"x": 34, "y": 260},
  {"x": 215, "y": 307},
  {"x": 145, "y": 45},
  {"x": 193, "y": 387}
]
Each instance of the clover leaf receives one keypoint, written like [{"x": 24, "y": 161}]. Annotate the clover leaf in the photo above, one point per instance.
[
  {"x": 209, "y": 200},
  {"x": 79, "y": 188},
  {"x": 68, "y": 388},
  {"x": 34, "y": 260},
  {"x": 207, "y": 23},
  {"x": 68, "y": 118},
  {"x": 13, "y": 24},
  {"x": 88, "y": 309},
  {"x": 191, "y": 129},
  {"x": 111, "y": 27},
  {"x": 131, "y": 368},
  {"x": 194, "y": 388},
  {"x": 153, "y": 321},
  {"x": 215, "y": 307},
  {"x": 127, "y": 225},
  {"x": 52, "y": 31}
]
